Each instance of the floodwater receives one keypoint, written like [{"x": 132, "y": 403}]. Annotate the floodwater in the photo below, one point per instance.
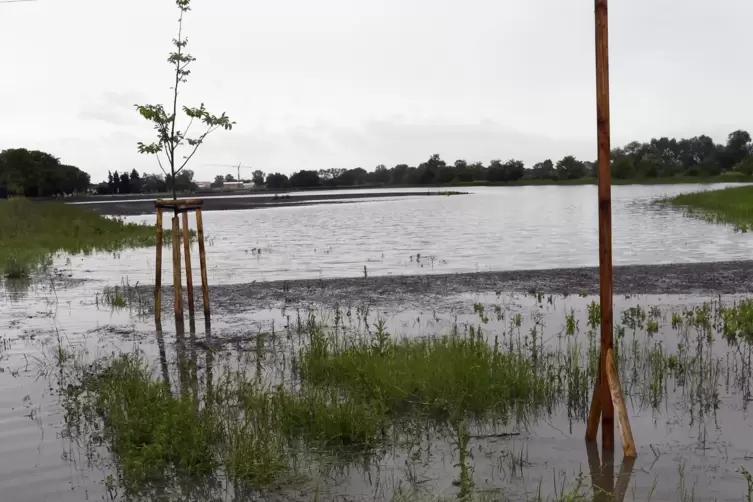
[
  {"x": 492, "y": 229},
  {"x": 515, "y": 228}
]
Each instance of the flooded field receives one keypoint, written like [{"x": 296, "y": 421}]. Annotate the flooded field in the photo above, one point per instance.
[
  {"x": 385, "y": 388},
  {"x": 516, "y": 228}
]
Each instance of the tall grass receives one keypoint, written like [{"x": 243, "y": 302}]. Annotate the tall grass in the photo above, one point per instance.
[
  {"x": 441, "y": 378},
  {"x": 30, "y": 232},
  {"x": 729, "y": 205}
]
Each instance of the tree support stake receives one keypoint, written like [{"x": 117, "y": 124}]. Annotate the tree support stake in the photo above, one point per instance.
[{"x": 181, "y": 207}]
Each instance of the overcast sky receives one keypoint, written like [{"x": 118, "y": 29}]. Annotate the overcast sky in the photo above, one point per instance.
[{"x": 348, "y": 83}]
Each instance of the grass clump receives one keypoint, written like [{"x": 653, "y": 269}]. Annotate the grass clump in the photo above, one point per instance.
[
  {"x": 124, "y": 296},
  {"x": 157, "y": 434},
  {"x": 146, "y": 426},
  {"x": 30, "y": 232},
  {"x": 730, "y": 205},
  {"x": 442, "y": 377}
]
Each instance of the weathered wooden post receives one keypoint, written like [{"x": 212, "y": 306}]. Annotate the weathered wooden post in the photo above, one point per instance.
[
  {"x": 181, "y": 206},
  {"x": 203, "y": 263},
  {"x": 607, "y": 392},
  {"x": 189, "y": 277},
  {"x": 158, "y": 272},
  {"x": 177, "y": 286}
]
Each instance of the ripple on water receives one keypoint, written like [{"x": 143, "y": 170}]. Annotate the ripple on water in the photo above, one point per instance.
[{"x": 512, "y": 228}]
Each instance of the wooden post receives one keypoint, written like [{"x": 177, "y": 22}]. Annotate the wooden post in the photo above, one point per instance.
[
  {"x": 177, "y": 288},
  {"x": 189, "y": 277},
  {"x": 182, "y": 206},
  {"x": 158, "y": 271},
  {"x": 592, "y": 426},
  {"x": 626, "y": 432},
  {"x": 607, "y": 392},
  {"x": 203, "y": 262},
  {"x": 605, "y": 217}
]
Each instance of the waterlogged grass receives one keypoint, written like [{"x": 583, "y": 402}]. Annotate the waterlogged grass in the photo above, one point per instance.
[
  {"x": 732, "y": 206},
  {"x": 448, "y": 377},
  {"x": 30, "y": 232},
  {"x": 326, "y": 396},
  {"x": 125, "y": 296}
]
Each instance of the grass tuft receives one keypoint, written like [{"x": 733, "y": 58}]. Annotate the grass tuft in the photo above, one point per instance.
[{"x": 730, "y": 205}]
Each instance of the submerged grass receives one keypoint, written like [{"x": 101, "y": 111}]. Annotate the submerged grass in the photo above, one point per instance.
[
  {"x": 30, "y": 232},
  {"x": 125, "y": 296},
  {"x": 342, "y": 397},
  {"x": 729, "y": 205}
]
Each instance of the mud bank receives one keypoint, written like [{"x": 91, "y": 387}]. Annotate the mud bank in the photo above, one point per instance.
[
  {"x": 134, "y": 207},
  {"x": 444, "y": 292}
]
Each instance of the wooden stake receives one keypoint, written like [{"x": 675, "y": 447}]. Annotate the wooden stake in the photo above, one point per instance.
[
  {"x": 592, "y": 426},
  {"x": 158, "y": 271},
  {"x": 203, "y": 262},
  {"x": 189, "y": 277},
  {"x": 626, "y": 433},
  {"x": 177, "y": 288},
  {"x": 605, "y": 217}
]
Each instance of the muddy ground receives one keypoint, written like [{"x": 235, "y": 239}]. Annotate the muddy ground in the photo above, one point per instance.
[
  {"x": 139, "y": 206},
  {"x": 443, "y": 292}
]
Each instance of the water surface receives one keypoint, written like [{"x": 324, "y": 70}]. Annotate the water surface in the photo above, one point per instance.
[{"x": 492, "y": 228}]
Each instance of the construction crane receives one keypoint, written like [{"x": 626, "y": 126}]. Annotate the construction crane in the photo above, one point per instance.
[{"x": 238, "y": 167}]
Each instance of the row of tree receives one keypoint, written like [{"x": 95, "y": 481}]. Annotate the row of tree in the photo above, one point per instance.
[
  {"x": 663, "y": 157},
  {"x": 38, "y": 174},
  {"x": 124, "y": 183}
]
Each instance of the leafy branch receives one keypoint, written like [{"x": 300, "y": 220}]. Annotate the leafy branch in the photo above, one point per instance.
[{"x": 170, "y": 139}]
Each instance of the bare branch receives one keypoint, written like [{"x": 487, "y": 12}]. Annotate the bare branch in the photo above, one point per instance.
[
  {"x": 197, "y": 144},
  {"x": 188, "y": 128},
  {"x": 159, "y": 161}
]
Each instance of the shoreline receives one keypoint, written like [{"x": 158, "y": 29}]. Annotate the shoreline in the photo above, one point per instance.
[
  {"x": 443, "y": 291},
  {"x": 144, "y": 206},
  {"x": 210, "y": 193}
]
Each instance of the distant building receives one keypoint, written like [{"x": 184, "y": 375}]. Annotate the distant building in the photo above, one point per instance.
[
  {"x": 204, "y": 184},
  {"x": 232, "y": 185}
]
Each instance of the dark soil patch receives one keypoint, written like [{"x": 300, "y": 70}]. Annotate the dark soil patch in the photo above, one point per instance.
[{"x": 441, "y": 291}]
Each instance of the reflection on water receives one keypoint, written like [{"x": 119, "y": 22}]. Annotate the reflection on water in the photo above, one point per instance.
[{"x": 514, "y": 228}]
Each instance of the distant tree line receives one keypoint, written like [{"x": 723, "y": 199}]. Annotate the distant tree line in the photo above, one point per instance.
[
  {"x": 125, "y": 183},
  {"x": 38, "y": 174},
  {"x": 658, "y": 158}
]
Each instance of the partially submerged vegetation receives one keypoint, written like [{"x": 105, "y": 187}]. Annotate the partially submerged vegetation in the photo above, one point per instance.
[
  {"x": 303, "y": 403},
  {"x": 31, "y": 232},
  {"x": 730, "y": 205}
]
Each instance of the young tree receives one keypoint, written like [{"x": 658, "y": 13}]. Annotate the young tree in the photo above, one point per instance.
[
  {"x": 115, "y": 182},
  {"x": 258, "y": 178},
  {"x": 169, "y": 137},
  {"x": 125, "y": 183},
  {"x": 135, "y": 182},
  {"x": 219, "y": 180}
]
